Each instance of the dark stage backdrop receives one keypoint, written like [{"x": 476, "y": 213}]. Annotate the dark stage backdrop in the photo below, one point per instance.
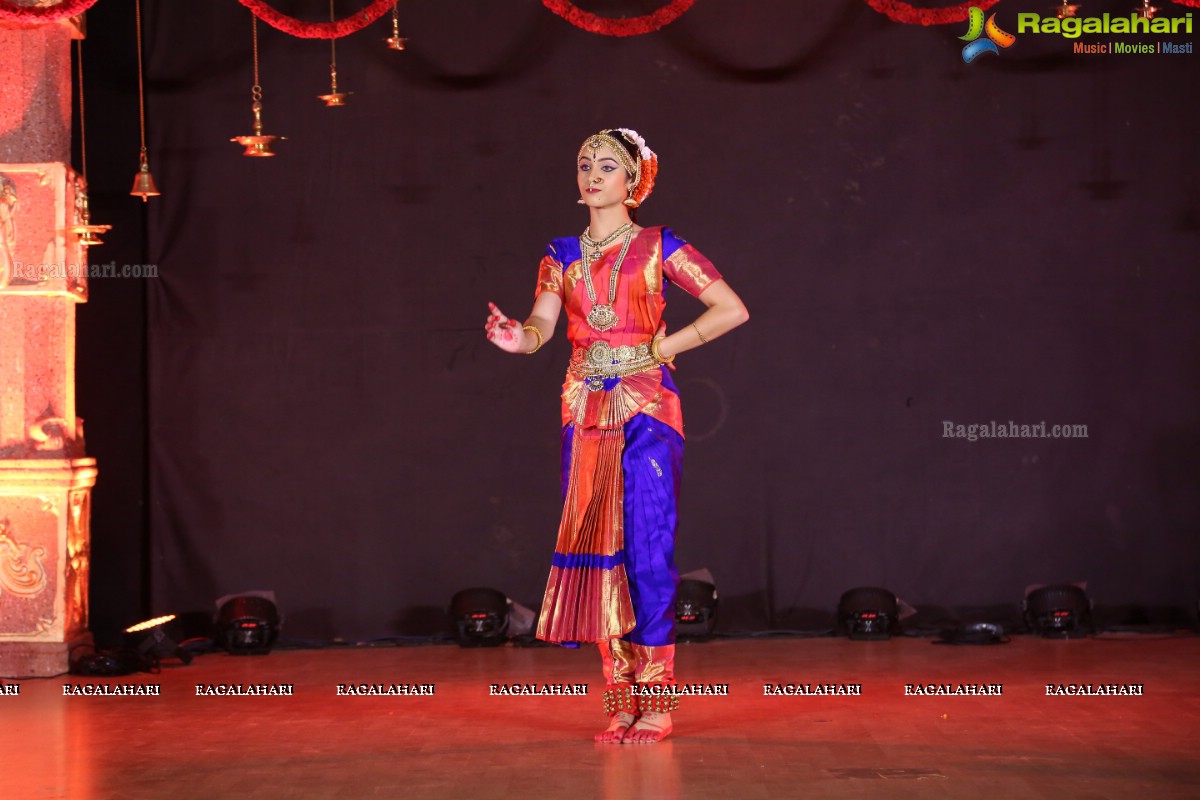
[{"x": 918, "y": 241}]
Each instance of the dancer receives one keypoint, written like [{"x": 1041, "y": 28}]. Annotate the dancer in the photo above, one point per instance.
[{"x": 613, "y": 577}]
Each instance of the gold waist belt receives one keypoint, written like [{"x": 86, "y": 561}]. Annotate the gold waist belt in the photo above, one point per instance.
[{"x": 602, "y": 361}]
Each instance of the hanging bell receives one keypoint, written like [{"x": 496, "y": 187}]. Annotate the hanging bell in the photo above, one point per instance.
[{"x": 143, "y": 182}]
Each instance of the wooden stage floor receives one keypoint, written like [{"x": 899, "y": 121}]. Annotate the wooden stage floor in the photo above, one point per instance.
[{"x": 464, "y": 742}]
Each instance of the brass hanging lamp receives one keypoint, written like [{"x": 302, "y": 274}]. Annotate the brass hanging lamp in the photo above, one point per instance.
[
  {"x": 87, "y": 234},
  {"x": 1066, "y": 10},
  {"x": 396, "y": 41},
  {"x": 257, "y": 144},
  {"x": 143, "y": 182},
  {"x": 334, "y": 98}
]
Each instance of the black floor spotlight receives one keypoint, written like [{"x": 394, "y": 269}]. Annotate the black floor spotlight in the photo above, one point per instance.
[
  {"x": 868, "y": 613},
  {"x": 480, "y": 617},
  {"x": 248, "y": 624},
  {"x": 143, "y": 649},
  {"x": 1061, "y": 611},
  {"x": 154, "y": 641},
  {"x": 695, "y": 609}
]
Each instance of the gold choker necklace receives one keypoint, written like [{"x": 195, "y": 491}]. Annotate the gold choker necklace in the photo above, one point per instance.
[{"x": 587, "y": 239}]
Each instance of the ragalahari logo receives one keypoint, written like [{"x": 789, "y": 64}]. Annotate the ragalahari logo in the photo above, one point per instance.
[{"x": 996, "y": 38}]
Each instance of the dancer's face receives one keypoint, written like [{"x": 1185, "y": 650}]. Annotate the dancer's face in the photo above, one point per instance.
[{"x": 602, "y": 180}]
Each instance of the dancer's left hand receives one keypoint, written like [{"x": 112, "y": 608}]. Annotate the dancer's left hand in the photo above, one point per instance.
[{"x": 660, "y": 334}]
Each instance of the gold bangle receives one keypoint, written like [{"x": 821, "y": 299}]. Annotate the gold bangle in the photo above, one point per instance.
[
  {"x": 536, "y": 333},
  {"x": 658, "y": 356},
  {"x": 698, "y": 333}
]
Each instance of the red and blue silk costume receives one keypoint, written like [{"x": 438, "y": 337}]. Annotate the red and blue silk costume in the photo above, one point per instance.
[{"x": 613, "y": 577}]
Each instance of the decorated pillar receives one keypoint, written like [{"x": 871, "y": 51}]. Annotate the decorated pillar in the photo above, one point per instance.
[{"x": 45, "y": 475}]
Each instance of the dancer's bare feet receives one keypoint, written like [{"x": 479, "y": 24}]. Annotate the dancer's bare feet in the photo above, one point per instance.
[
  {"x": 616, "y": 728},
  {"x": 650, "y": 727}
]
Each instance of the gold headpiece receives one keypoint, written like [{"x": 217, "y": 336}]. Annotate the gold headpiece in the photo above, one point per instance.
[
  {"x": 642, "y": 166},
  {"x": 606, "y": 139}
]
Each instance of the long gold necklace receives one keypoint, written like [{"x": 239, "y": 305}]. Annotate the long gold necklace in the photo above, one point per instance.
[{"x": 601, "y": 316}]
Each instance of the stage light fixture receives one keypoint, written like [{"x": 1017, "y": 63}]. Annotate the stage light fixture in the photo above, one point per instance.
[
  {"x": 110, "y": 663},
  {"x": 695, "y": 609},
  {"x": 153, "y": 641},
  {"x": 480, "y": 617},
  {"x": 1058, "y": 611},
  {"x": 247, "y": 624},
  {"x": 868, "y": 613}
]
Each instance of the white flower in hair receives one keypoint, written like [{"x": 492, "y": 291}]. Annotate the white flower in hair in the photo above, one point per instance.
[{"x": 632, "y": 135}]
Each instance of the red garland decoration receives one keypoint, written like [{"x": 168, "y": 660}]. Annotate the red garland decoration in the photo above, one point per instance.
[
  {"x": 635, "y": 26},
  {"x": 40, "y": 14},
  {"x": 646, "y": 181},
  {"x": 1188, "y": 3},
  {"x": 319, "y": 30},
  {"x": 898, "y": 11}
]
